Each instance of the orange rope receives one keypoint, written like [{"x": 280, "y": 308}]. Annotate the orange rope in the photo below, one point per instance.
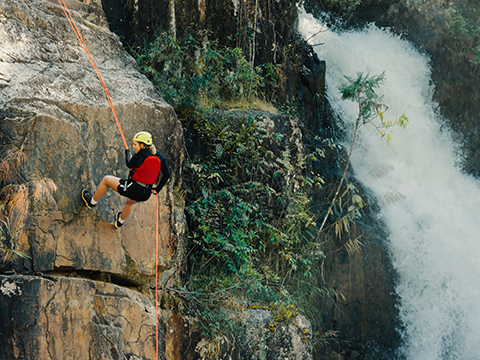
[
  {"x": 156, "y": 278},
  {"x": 84, "y": 46}
]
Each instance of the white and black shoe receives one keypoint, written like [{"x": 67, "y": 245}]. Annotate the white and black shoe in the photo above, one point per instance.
[
  {"x": 87, "y": 198},
  {"x": 118, "y": 222}
]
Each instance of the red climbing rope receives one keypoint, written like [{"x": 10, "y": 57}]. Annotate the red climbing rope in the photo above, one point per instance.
[
  {"x": 156, "y": 279},
  {"x": 84, "y": 46}
]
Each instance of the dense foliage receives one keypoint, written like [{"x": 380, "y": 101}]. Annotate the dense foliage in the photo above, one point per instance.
[
  {"x": 253, "y": 235},
  {"x": 250, "y": 180},
  {"x": 195, "y": 72},
  {"x": 249, "y": 211},
  {"x": 465, "y": 28}
]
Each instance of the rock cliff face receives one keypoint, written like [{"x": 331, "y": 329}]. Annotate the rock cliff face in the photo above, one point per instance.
[
  {"x": 264, "y": 29},
  {"x": 364, "y": 309},
  {"x": 65, "y": 318},
  {"x": 428, "y": 26},
  {"x": 54, "y": 113},
  {"x": 261, "y": 28},
  {"x": 366, "y": 313}
]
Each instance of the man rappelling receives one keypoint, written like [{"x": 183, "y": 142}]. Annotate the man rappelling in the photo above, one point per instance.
[{"x": 149, "y": 173}]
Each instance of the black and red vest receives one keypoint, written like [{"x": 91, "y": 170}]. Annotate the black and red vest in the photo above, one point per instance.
[{"x": 148, "y": 172}]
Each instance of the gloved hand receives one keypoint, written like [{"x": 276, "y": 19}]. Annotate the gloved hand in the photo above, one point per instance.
[{"x": 128, "y": 156}]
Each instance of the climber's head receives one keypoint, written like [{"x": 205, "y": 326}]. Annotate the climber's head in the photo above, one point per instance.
[{"x": 142, "y": 140}]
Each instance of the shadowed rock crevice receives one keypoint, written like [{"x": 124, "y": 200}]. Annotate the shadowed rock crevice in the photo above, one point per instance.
[{"x": 95, "y": 276}]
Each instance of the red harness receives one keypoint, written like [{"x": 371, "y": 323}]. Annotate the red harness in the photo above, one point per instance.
[{"x": 148, "y": 172}]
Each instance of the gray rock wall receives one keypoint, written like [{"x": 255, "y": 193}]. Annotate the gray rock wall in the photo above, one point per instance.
[
  {"x": 55, "y": 112},
  {"x": 66, "y": 318}
]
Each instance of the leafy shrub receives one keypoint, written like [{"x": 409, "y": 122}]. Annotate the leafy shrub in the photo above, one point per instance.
[
  {"x": 252, "y": 226},
  {"x": 195, "y": 72}
]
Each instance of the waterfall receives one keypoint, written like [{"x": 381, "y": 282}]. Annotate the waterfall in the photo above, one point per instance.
[{"x": 430, "y": 207}]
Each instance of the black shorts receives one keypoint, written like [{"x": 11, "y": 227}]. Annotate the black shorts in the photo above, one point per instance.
[{"x": 133, "y": 190}]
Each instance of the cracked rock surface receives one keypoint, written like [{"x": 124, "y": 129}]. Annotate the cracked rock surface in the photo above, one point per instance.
[
  {"x": 55, "y": 114},
  {"x": 71, "y": 296},
  {"x": 54, "y": 111},
  {"x": 75, "y": 319}
]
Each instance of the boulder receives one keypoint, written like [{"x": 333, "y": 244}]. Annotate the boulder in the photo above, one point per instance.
[
  {"x": 54, "y": 111},
  {"x": 288, "y": 340},
  {"x": 258, "y": 336},
  {"x": 66, "y": 318}
]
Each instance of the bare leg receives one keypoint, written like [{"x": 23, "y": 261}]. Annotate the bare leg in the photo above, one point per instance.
[
  {"x": 108, "y": 181},
  {"x": 112, "y": 182},
  {"x": 127, "y": 208}
]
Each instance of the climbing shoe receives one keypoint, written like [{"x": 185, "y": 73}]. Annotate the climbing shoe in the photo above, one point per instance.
[
  {"x": 118, "y": 222},
  {"x": 87, "y": 198}
]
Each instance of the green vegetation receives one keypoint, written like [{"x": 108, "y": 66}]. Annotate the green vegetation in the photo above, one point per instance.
[
  {"x": 249, "y": 212},
  {"x": 255, "y": 240},
  {"x": 194, "y": 72},
  {"x": 465, "y": 28},
  {"x": 361, "y": 90}
]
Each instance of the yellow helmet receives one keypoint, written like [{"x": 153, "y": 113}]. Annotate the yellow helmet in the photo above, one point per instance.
[{"x": 143, "y": 137}]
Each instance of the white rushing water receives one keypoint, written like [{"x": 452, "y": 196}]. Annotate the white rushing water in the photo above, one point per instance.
[{"x": 430, "y": 207}]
